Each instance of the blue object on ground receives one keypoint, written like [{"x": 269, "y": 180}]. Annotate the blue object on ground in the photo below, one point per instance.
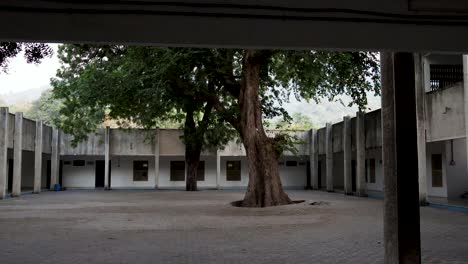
[{"x": 57, "y": 187}]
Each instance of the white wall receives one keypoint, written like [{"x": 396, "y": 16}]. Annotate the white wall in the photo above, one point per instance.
[
  {"x": 294, "y": 177},
  {"x": 457, "y": 178},
  {"x": 244, "y": 173},
  {"x": 165, "y": 172},
  {"x": 79, "y": 176},
  {"x": 379, "y": 180},
  {"x": 436, "y": 148},
  {"x": 122, "y": 172}
]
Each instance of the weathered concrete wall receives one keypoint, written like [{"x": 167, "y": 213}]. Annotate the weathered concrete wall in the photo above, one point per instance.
[
  {"x": 373, "y": 129},
  {"x": 337, "y": 137},
  {"x": 47, "y": 140},
  {"x": 29, "y": 134},
  {"x": 170, "y": 143},
  {"x": 11, "y": 129},
  {"x": 321, "y": 134},
  {"x": 132, "y": 142},
  {"x": 94, "y": 145},
  {"x": 445, "y": 114}
]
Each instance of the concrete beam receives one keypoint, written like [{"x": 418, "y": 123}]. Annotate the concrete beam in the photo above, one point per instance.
[
  {"x": 156, "y": 158},
  {"x": 38, "y": 157},
  {"x": 55, "y": 158},
  {"x": 420, "y": 93},
  {"x": 329, "y": 155},
  {"x": 17, "y": 155},
  {"x": 360, "y": 155},
  {"x": 402, "y": 241},
  {"x": 313, "y": 158},
  {"x": 107, "y": 159},
  {"x": 3, "y": 151},
  {"x": 218, "y": 169},
  {"x": 347, "y": 156}
]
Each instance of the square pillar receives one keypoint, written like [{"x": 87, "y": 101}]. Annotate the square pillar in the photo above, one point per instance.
[
  {"x": 106, "y": 159},
  {"x": 360, "y": 155},
  {"x": 55, "y": 158},
  {"x": 38, "y": 157},
  {"x": 17, "y": 155},
  {"x": 218, "y": 169},
  {"x": 329, "y": 156},
  {"x": 402, "y": 241},
  {"x": 3, "y": 151},
  {"x": 156, "y": 159},
  {"x": 465, "y": 100},
  {"x": 420, "y": 93},
  {"x": 347, "y": 156},
  {"x": 313, "y": 158}
]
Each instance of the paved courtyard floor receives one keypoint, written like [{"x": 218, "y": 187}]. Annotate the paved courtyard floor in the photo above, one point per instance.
[{"x": 202, "y": 227}]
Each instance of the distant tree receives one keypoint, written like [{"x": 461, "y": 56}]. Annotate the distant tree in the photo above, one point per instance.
[
  {"x": 45, "y": 108},
  {"x": 299, "y": 121},
  {"x": 33, "y": 52}
]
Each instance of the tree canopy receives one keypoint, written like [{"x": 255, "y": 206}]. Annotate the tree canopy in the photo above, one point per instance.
[
  {"x": 209, "y": 88},
  {"x": 33, "y": 52}
]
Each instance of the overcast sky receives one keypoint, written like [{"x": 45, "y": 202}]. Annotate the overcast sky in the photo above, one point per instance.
[{"x": 23, "y": 76}]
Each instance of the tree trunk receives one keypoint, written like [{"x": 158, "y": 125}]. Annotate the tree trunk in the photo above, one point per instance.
[
  {"x": 192, "y": 159},
  {"x": 192, "y": 151},
  {"x": 265, "y": 188}
]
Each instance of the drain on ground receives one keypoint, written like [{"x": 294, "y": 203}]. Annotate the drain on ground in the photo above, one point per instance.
[
  {"x": 319, "y": 203},
  {"x": 239, "y": 203}
]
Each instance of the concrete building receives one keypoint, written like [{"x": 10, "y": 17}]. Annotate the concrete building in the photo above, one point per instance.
[{"x": 339, "y": 157}]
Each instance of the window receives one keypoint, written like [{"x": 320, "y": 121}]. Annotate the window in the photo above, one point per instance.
[
  {"x": 67, "y": 162},
  {"x": 177, "y": 170},
  {"x": 78, "y": 163},
  {"x": 436, "y": 170},
  {"x": 291, "y": 163},
  {"x": 201, "y": 171},
  {"x": 302, "y": 163},
  {"x": 233, "y": 170},
  {"x": 140, "y": 170}
]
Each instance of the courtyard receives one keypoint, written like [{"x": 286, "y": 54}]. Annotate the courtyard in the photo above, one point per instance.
[{"x": 123, "y": 226}]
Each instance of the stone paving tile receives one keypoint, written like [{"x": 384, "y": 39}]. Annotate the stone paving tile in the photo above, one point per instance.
[{"x": 201, "y": 227}]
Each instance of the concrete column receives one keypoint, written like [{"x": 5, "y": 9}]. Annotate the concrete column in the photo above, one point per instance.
[
  {"x": 55, "y": 158},
  {"x": 420, "y": 93},
  {"x": 465, "y": 99},
  {"x": 347, "y": 156},
  {"x": 156, "y": 158},
  {"x": 360, "y": 155},
  {"x": 38, "y": 157},
  {"x": 17, "y": 154},
  {"x": 329, "y": 155},
  {"x": 106, "y": 158},
  {"x": 218, "y": 169},
  {"x": 3, "y": 151},
  {"x": 313, "y": 158},
  {"x": 400, "y": 159}
]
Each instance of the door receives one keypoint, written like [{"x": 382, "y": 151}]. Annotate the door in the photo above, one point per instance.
[
  {"x": 49, "y": 174},
  {"x": 10, "y": 175},
  {"x": 353, "y": 175},
  {"x": 100, "y": 173}
]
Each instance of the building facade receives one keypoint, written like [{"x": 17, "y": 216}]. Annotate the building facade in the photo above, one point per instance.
[{"x": 345, "y": 156}]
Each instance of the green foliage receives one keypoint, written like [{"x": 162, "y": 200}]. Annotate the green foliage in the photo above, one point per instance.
[
  {"x": 144, "y": 85},
  {"x": 45, "y": 108},
  {"x": 298, "y": 121}
]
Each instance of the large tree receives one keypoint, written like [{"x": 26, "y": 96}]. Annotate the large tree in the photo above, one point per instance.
[
  {"x": 256, "y": 79},
  {"x": 244, "y": 87},
  {"x": 33, "y": 52},
  {"x": 144, "y": 86}
]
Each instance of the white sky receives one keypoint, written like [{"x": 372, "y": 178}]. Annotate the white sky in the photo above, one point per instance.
[{"x": 23, "y": 76}]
